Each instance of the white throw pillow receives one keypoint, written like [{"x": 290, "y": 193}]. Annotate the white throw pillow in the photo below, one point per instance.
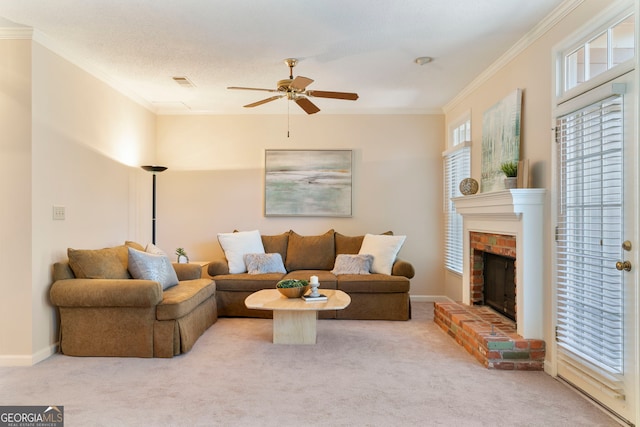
[
  {"x": 264, "y": 263},
  {"x": 148, "y": 266},
  {"x": 384, "y": 249},
  {"x": 153, "y": 249},
  {"x": 352, "y": 264},
  {"x": 237, "y": 245}
]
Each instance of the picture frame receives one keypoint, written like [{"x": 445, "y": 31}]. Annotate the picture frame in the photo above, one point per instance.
[
  {"x": 500, "y": 139},
  {"x": 308, "y": 183}
]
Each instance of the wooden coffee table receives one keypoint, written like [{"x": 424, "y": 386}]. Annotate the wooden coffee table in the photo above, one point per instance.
[{"x": 294, "y": 319}]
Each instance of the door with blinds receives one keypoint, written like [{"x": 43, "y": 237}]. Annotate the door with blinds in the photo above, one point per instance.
[{"x": 596, "y": 246}]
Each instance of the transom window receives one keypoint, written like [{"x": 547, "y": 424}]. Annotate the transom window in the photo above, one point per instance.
[{"x": 599, "y": 53}]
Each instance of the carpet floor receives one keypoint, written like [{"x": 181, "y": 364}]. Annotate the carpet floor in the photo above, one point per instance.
[{"x": 360, "y": 373}]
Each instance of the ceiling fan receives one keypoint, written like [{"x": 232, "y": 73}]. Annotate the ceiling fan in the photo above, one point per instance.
[{"x": 295, "y": 89}]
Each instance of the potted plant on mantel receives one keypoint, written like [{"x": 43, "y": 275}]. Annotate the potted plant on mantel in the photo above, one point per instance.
[{"x": 510, "y": 169}]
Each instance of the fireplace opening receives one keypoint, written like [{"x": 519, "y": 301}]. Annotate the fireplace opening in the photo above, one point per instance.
[{"x": 500, "y": 284}]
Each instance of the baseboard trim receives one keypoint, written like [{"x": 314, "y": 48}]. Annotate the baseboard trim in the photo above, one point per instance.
[
  {"x": 28, "y": 360},
  {"x": 430, "y": 298}
]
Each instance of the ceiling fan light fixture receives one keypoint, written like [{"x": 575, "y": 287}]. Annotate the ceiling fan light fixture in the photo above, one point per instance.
[{"x": 421, "y": 60}]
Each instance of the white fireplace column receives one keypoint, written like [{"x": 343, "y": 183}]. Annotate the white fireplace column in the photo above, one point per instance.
[{"x": 519, "y": 213}]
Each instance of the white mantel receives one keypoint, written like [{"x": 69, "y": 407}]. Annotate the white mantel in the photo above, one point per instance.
[{"x": 519, "y": 213}]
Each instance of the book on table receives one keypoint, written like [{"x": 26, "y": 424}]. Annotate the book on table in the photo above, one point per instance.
[{"x": 319, "y": 298}]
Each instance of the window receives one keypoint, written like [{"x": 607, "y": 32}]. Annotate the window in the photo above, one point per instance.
[
  {"x": 600, "y": 53},
  {"x": 457, "y": 166}
]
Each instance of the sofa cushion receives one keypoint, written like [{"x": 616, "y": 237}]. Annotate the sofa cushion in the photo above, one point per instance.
[
  {"x": 150, "y": 266},
  {"x": 372, "y": 283},
  {"x": 245, "y": 282},
  {"x": 107, "y": 263},
  {"x": 352, "y": 264},
  {"x": 134, "y": 245},
  {"x": 182, "y": 299},
  {"x": 310, "y": 252},
  {"x": 384, "y": 250},
  {"x": 276, "y": 244},
  {"x": 327, "y": 279},
  {"x": 236, "y": 245}
]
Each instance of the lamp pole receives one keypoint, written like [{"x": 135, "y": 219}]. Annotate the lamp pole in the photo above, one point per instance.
[{"x": 154, "y": 169}]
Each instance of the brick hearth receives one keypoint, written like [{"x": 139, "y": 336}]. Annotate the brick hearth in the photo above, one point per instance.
[{"x": 489, "y": 337}]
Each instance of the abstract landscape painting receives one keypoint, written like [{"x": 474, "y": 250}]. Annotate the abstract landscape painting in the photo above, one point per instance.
[
  {"x": 308, "y": 183},
  {"x": 500, "y": 140}
]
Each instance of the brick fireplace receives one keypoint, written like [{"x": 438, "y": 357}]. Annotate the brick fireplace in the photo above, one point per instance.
[
  {"x": 481, "y": 244},
  {"x": 508, "y": 223}
]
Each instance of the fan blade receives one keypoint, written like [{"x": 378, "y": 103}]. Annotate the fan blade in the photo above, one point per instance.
[
  {"x": 252, "y": 88},
  {"x": 264, "y": 101},
  {"x": 307, "y": 105},
  {"x": 336, "y": 95},
  {"x": 299, "y": 83}
]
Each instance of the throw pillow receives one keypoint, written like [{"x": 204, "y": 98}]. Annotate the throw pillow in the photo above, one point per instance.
[
  {"x": 352, "y": 264},
  {"x": 153, "y": 249},
  {"x": 107, "y": 263},
  {"x": 264, "y": 263},
  {"x": 310, "y": 252},
  {"x": 236, "y": 245},
  {"x": 384, "y": 249},
  {"x": 148, "y": 266}
]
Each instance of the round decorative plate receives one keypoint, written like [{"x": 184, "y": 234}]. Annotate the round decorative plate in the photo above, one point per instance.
[{"x": 468, "y": 186}]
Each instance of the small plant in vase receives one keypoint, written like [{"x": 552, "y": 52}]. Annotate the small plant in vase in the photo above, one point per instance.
[
  {"x": 182, "y": 256},
  {"x": 510, "y": 169}
]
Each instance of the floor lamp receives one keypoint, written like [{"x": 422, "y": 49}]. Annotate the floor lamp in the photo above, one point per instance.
[{"x": 154, "y": 169}]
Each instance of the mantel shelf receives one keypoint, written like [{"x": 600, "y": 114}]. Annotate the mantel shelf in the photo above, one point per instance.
[{"x": 513, "y": 201}]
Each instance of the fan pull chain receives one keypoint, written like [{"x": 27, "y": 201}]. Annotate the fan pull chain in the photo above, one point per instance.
[{"x": 288, "y": 120}]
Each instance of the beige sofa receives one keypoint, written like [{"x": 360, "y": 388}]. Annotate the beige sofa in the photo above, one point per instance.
[
  {"x": 105, "y": 312},
  {"x": 373, "y": 296}
]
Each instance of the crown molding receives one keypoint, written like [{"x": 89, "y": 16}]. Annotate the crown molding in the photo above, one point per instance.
[
  {"x": 28, "y": 33},
  {"x": 16, "y": 33},
  {"x": 48, "y": 43},
  {"x": 550, "y": 21}
]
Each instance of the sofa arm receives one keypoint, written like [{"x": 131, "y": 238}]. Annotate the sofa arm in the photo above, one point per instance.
[
  {"x": 403, "y": 268},
  {"x": 105, "y": 293},
  {"x": 217, "y": 267},
  {"x": 187, "y": 271}
]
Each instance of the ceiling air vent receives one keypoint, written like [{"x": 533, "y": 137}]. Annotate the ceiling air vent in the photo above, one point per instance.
[{"x": 183, "y": 81}]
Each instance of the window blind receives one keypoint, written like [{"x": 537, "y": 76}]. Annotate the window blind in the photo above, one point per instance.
[
  {"x": 456, "y": 168},
  {"x": 589, "y": 236}
]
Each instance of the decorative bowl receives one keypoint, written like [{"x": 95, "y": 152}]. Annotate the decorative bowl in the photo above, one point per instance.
[
  {"x": 468, "y": 186},
  {"x": 292, "y": 288}
]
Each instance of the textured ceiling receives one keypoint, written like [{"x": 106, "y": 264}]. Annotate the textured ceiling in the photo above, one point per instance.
[{"x": 363, "y": 46}]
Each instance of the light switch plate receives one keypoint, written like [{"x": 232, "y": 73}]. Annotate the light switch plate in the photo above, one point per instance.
[{"x": 58, "y": 213}]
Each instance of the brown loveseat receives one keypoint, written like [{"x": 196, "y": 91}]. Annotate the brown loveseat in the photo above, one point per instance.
[
  {"x": 105, "y": 312},
  {"x": 373, "y": 296}
]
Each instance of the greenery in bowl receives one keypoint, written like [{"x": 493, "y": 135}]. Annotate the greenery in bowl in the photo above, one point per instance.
[
  {"x": 292, "y": 283},
  {"x": 292, "y": 288},
  {"x": 510, "y": 169}
]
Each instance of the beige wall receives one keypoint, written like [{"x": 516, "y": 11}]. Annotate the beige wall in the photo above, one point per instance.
[
  {"x": 72, "y": 141},
  {"x": 15, "y": 197},
  {"x": 215, "y": 181},
  {"x": 532, "y": 71}
]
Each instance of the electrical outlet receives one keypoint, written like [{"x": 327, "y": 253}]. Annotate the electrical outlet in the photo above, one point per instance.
[{"x": 58, "y": 213}]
